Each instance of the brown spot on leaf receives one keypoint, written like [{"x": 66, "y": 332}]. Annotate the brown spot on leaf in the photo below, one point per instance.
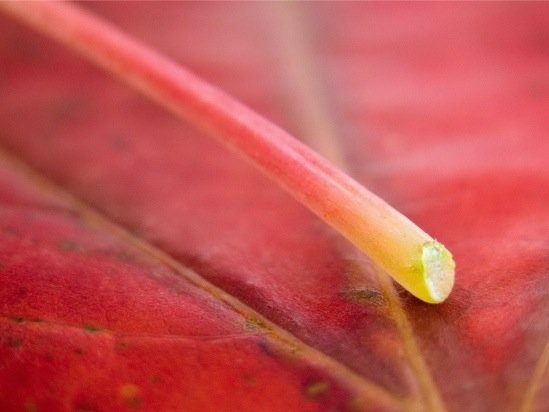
[
  {"x": 249, "y": 379},
  {"x": 123, "y": 256},
  {"x": 14, "y": 342},
  {"x": 120, "y": 143},
  {"x": 366, "y": 296},
  {"x": 91, "y": 328},
  {"x": 67, "y": 245},
  {"x": 121, "y": 344},
  {"x": 317, "y": 389},
  {"x": 30, "y": 406},
  {"x": 83, "y": 406},
  {"x": 255, "y": 324},
  {"x": 356, "y": 405},
  {"x": 130, "y": 393},
  {"x": 11, "y": 231},
  {"x": 69, "y": 108}
]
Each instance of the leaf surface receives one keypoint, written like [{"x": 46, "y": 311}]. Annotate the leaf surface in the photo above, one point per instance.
[{"x": 441, "y": 109}]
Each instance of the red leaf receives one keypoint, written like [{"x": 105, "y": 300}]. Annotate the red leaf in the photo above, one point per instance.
[{"x": 441, "y": 109}]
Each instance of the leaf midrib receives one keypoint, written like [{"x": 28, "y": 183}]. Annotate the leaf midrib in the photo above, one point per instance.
[{"x": 270, "y": 330}]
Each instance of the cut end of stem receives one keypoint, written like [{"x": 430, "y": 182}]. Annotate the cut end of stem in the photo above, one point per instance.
[{"x": 438, "y": 270}]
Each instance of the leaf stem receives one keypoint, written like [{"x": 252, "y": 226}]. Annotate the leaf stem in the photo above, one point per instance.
[{"x": 413, "y": 259}]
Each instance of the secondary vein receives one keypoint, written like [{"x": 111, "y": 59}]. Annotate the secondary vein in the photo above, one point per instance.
[{"x": 303, "y": 74}]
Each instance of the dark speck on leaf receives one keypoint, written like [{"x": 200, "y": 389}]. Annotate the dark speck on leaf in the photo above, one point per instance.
[
  {"x": 130, "y": 393},
  {"x": 67, "y": 245},
  {"x": 264, "y": 346},
  {"x": 366, "y": 296},
  {"x": 254, "y": 324},
  {"x": 7, "y": 230},
  {"x": 120, "y": 143},
  {"x": 91, "y": 328},
  {"x": 249, "y": 379},
  {"x": 317, "y": 389},
  {"x": 123, "y": 256},
  {"x": 121, "y": 344},
  {"x": 68, "y": 109},
  {"x": 14, "y": 342},
  {"x": 30, "y": 407},
  {"x": 83, "y": 407}
]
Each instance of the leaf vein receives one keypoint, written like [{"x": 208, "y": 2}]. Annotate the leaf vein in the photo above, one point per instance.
[{"x": 363, "y": 387}]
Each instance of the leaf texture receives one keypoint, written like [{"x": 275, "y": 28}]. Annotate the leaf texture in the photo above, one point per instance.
[{"x": 440, "y": 109}]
